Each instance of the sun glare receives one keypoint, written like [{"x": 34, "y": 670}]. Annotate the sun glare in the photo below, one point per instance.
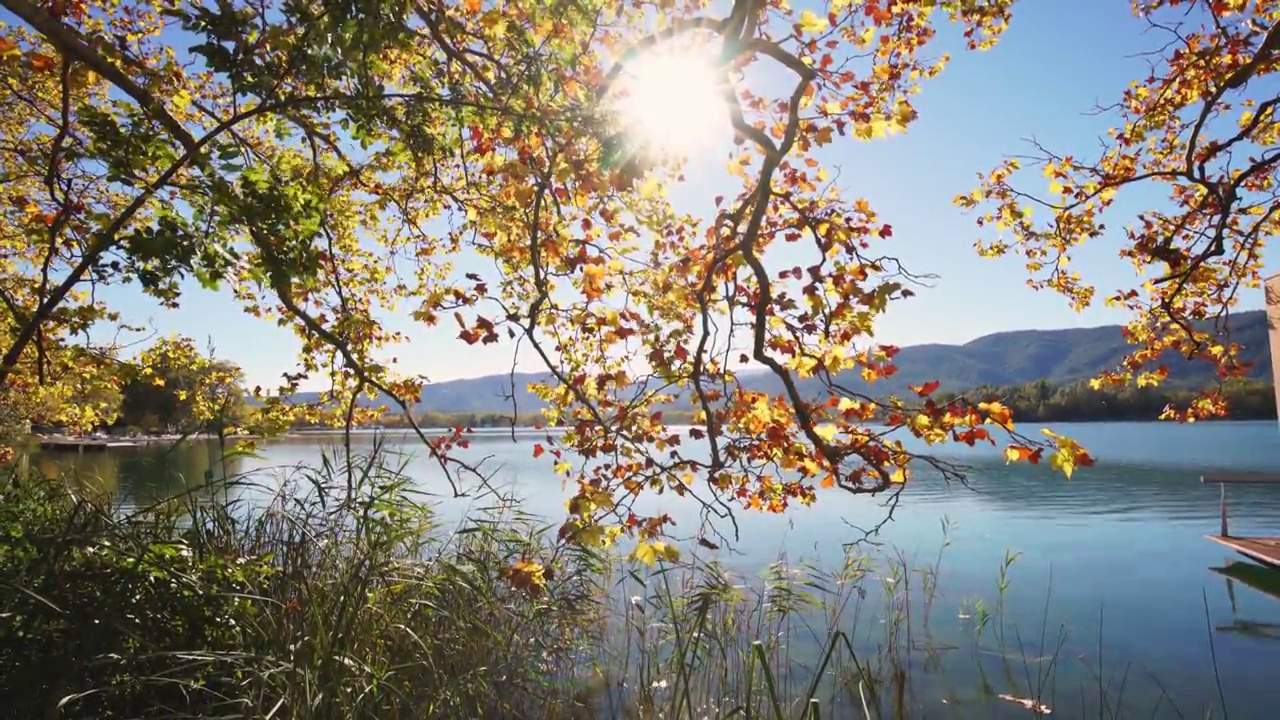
[{"x": 672, "y": 101}]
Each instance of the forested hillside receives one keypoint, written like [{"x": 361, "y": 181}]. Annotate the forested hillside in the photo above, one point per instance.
[{"x": 1058, "y": 357}]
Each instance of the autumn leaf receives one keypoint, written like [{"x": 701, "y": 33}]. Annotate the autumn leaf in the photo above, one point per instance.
[
  {"x": 998, "y": 413},
  {"x": 472, "y": 6},
  {"x": 593, "y": 281},
  {"x": 527, "y": 575},
  {"x": 1020, "y": 453},
  {"x": 926, "y": 389},
  {"x": 42, "y": 63},
  {"x": 651, "y": 552},
  {"x": 538, "y": 450},
  {"x": 811, "y": 23}
]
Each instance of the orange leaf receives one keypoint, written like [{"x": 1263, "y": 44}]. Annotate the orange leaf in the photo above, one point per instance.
[
  {"x": 999, "y": 414},
  {"x": 42, "y": 63},
  {"x": 1019, "y": 453},
  {"x": 593, "y": 281},
  {"x": 473, "y": 6},
  {"x": 538, "y": 450},
  {"x": 829, "y": 481}
]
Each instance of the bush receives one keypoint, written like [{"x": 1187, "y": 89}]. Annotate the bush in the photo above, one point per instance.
[{"x": 322, "y": 604}]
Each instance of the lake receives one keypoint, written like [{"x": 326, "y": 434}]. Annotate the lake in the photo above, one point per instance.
[{"x": 1121, "y": 544}]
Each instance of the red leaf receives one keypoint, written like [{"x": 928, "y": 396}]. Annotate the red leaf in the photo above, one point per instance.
[
  {"x": 538, "y": 449},
  {"x": 886, "y": 231},
  {"x": 925, "y": 389}
]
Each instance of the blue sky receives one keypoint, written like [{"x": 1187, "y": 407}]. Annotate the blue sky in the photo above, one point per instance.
[{"x": 1058, "y": 59}]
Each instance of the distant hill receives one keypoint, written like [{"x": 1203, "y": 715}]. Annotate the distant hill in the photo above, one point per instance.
[
  {"x": 485, "y": 394},
  {"x": 1057, "y": 356},
  {"x": 1004, "y": 358}
]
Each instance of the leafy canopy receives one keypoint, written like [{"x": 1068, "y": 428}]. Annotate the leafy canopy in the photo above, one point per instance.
[{"x": 327, "y": 162}]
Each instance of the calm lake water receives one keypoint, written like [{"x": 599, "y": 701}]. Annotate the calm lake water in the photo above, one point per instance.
[{"x": 1121, "y": 545}]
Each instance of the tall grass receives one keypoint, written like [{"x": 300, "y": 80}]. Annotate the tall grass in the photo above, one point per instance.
[
  {"x": 314, "y": 605},
  {"x": 338, "y": 593}
]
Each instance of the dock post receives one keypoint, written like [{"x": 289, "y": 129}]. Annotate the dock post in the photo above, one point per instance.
[{"x": 1224, "y": 509}]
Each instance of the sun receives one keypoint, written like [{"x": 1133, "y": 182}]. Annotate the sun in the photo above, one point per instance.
[{"x": 671, "y": 100}]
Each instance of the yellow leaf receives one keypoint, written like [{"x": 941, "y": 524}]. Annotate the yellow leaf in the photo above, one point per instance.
[
  {"x": 810, "y": 22},
  {"x": 898, "y": 476},
  {"x": 651, "y": 552},
  {"x": 1062, "y": 461},
  {"x": 826, "y": 432},
  {"x": 903, "y": 113},
  {"x": 651, "y": 188},
  {"x": 804, "y": 365}
]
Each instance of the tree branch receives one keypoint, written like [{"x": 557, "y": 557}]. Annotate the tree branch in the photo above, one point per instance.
[{"x": 66, "y": 40}]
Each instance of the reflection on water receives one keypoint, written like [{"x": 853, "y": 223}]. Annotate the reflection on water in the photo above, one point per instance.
[
  {"x": 1256, "y": 579},
  {"x": 1116, "y": 552},
  {"x": 138, "y": 477}
]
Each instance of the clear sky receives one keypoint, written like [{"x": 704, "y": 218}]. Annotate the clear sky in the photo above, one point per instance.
[{"x": 1057, "y": 61}]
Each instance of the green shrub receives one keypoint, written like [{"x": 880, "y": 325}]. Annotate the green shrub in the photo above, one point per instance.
[{"x": 320, "y": 604}]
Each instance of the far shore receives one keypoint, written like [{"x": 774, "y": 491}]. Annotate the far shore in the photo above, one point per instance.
[{"x": 63, "y": 440}]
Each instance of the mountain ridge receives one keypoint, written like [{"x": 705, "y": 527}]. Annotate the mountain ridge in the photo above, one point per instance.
[{"x": 1007, "y": 357}]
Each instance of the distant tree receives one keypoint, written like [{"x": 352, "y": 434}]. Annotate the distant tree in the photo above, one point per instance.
[{"x": 174, "y": 388}]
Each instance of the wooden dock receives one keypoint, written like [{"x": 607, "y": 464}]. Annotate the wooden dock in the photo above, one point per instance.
[
  {"x": 1262, "y": 550},
  {"x": 85, "y": 444}
]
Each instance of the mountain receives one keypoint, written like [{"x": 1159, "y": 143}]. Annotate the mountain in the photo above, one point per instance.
[
  {"x": 485, "y": 394},
  {"x": 1004, "y": 358},
  {"x": 1057, "y": 356}
]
